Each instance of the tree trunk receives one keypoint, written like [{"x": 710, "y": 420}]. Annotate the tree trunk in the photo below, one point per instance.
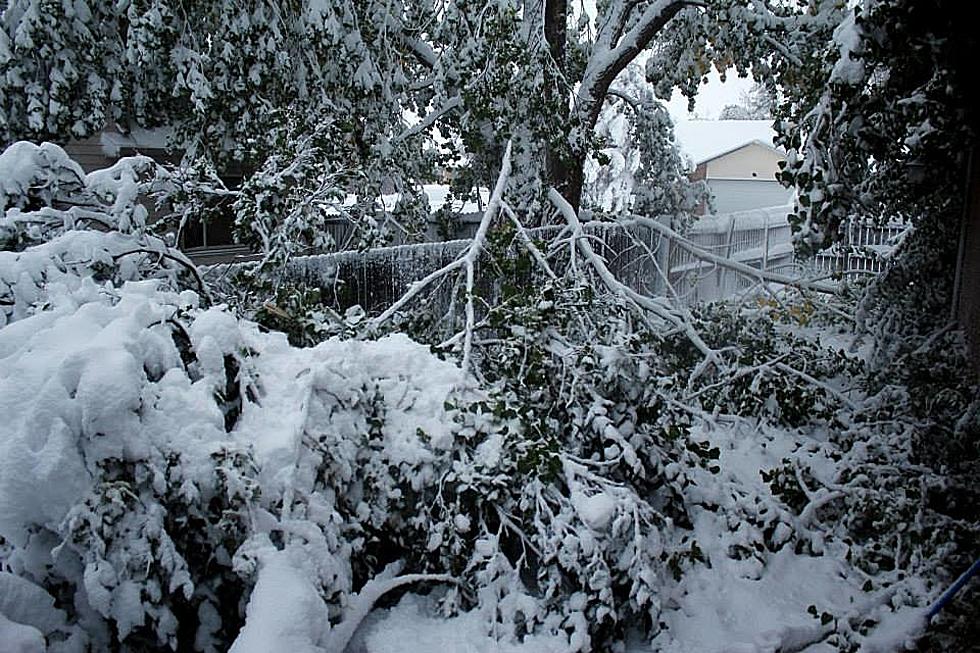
[
  {"x": 567, "y": 176},
  {"x": 563, "y": 167},
  {"x": 565, "y": 163}
]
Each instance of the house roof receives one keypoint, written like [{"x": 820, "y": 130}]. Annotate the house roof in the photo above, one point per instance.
[
  {"x": 767, "y": 146},
  {"x": 704, "y": 140},
  {"x": 138, "y": 139}
]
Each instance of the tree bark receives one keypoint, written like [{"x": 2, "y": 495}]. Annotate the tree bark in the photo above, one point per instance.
[
  {"x": 565, "y": 165},
  {"x": 560, "y": 165}
]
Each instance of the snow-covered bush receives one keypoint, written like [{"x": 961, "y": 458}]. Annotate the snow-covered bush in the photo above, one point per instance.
[{"x": 121, "y": 495}]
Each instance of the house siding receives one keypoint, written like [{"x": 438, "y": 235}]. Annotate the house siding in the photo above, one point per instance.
[
  {"x": 731, "y": 195},
  {"x": 753, "y": 161},
  {"x": 89, "y": 153}
]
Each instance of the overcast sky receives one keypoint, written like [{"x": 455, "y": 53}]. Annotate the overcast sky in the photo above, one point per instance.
[{"x": 712, "y": 97}]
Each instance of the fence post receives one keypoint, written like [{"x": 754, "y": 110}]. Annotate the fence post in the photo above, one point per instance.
[
  {"x": 765, "y": 243},
  {"x": 663, "y": 260},
  {"x": 725, "y": 274}
]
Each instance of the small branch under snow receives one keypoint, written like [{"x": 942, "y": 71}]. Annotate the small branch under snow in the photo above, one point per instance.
[{"x": 361, "y": 605}]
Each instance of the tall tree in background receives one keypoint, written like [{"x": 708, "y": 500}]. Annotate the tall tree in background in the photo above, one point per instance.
[{"x": 757, "y": 103}]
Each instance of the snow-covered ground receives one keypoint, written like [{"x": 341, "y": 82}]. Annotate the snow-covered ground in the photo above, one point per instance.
[{"x": 729, "y": 606}]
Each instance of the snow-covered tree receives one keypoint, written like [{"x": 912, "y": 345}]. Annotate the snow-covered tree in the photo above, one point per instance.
[
  {"x": 639, "y": 167},
  {"x": 881, "y": 131},
  {"x": 757, "y": 103},
  {"x": 536, "y": 65},
  {"x": 535, "y": 72}
]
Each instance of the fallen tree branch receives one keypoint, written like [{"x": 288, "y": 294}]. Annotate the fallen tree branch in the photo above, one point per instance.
[
  {"x": 467, "y": 261},
  {"x": 748, "y": 270},
  {"x": 615, "y": 286}
]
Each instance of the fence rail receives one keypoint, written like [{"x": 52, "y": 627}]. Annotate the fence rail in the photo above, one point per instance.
[{"x": 640, "y": 257}]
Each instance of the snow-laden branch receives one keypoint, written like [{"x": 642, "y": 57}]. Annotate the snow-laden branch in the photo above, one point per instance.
[
  {"x": 422, "y": 51},
  {"x": 467, "y": 262},
  {"x": 613, "y": 54},
  {"x": 748, "y": 270},
  {"x": 528, "y": 242},
  {"x": 649, "y": 304},
  {"x": 360, "y": 606},
  {"x": 450, "y": 104},
  {"x": 469, "y": 259}
]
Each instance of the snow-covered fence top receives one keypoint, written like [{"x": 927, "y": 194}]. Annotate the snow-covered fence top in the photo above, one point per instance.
[{"x": 760, "y": 238}]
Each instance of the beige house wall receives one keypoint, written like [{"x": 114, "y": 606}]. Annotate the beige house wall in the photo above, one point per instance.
[{"x": 753, "y": 161}]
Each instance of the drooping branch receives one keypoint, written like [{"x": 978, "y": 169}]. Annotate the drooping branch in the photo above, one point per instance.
[
  {"x": 652, "y": 305},
  {"x": 748, "y": 270}
]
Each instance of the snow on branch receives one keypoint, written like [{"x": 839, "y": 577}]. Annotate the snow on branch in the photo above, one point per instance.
[
  {"x": 467, "y": 262},
  {"x": 652, "y": 305},
  {"x": 613, "y": 54},
  {"x": 748, "y": 270},
  {"x": 447, "y": 106}
]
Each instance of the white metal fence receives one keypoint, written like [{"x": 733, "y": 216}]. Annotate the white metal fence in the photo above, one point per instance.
[{"x": 762, "y": 238}]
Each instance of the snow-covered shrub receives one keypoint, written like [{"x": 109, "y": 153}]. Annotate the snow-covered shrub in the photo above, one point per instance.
[{"x": 121, "y": 495}]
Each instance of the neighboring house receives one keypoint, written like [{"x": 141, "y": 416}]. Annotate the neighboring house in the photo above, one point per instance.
[
  {"x": 738, "y": 161},
  {"x": 104, "y": 149},
  {"x": 214, "y": 242},
  {"x": 203, "y": 242}
]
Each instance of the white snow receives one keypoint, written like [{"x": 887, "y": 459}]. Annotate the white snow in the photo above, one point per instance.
[
  {"x": 897, "y": 631},
  {"x": 596, "y": 510},
  {"x": 24, "y": 166},
  {"x": 19, "y": 638},
  {"x": 847, "y": 69},
  {"x": 412, "y": 626},
  {"x": 285, "y": 612}
]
